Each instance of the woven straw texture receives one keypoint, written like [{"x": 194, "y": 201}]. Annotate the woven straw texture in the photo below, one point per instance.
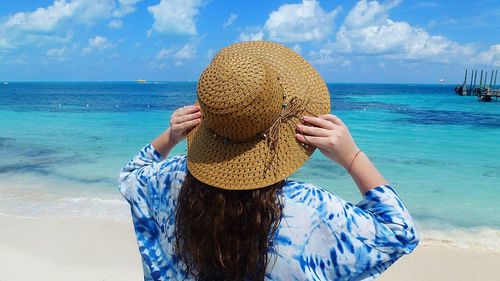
[{"x": 242, "y": 93}]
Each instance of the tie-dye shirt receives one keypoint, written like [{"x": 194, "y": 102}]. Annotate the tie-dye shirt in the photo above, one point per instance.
[{"x": 321, "y": 237}]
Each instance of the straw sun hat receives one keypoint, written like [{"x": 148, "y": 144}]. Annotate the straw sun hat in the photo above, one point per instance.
[{"x": 252, "y": 95}]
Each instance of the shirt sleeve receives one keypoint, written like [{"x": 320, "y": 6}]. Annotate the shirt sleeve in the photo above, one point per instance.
[
  {"x": 392, "y": 234},
  {"x": 143, "y": 182},
  {"x": 359, "y": 242}
]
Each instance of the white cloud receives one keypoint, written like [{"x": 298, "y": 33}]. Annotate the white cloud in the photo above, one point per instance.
[
  {"x": 368, "y": 30},
  {"x": 302, "y": 22},
  {"x": 90, "y": 12},
  {"x": 97, "y": 43},
  {"x": 115, "y": 24},
  {"x": 368, "y": 14},
  {"x": 164, "y": 53},
  {"x": 252, "y": 36},
  {"x": 42, "y": 19},
  {"x": 188, "y": 51},
  {"x": 175, "y": 16},
  {"x": 54, "y": 23},
  {"x": 325, "y": 58},
  {"x": 230, "y": 20},
  {"x": 55, "y": 55},
  {"x": 125, "y": 7},
  {"x": 36, "y": 27},
  {"x": 489, "y": 57},
  {"x": 179, "y": 55},
  {"x": 398, "y": 39},
  {"x": 326, "y": 55},
  {"x": 56, "y": 52}
]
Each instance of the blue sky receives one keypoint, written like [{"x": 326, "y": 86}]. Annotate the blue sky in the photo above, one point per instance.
[{"x": 347, "y": 41}]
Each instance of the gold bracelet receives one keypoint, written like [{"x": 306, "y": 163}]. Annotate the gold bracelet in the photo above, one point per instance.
[{"x": 352, "y": 162}]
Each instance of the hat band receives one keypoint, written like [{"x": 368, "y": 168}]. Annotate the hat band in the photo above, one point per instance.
[{"x": 293, "y": 109}]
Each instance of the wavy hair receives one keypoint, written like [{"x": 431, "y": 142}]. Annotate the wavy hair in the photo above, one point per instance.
[{"x": 226, "y": 235}]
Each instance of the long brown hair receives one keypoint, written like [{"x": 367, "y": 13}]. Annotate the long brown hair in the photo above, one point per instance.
[{"x": 224, "y": 234}]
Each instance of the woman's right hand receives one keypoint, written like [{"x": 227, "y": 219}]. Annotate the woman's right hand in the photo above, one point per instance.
[{"x": 329, "y": 134}]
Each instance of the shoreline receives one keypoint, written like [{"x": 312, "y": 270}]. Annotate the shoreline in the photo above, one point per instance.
[
  {"x": 101, "y": 249},
  {"x": 34, "y": 198}
]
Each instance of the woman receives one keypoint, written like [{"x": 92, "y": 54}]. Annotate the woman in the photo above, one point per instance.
[{"x": 226, "y": 210}]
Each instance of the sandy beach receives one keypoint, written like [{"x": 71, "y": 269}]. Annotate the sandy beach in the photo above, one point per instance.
[{"x": 55, "y": 249}]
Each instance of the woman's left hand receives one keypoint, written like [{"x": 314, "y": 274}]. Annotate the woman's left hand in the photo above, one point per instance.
[
  {"x": 329, "y": 134},
  {"x": 182, "y": 121}
]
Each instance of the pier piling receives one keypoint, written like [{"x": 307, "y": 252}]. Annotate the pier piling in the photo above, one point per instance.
[
  {"x": 468, "y": 90},
  {"x": 475, "y": 78},
  {"x": 481, "y": 80},
  {"x": 491, "y": 79},
  {"x": 485, "y": 90},
  {"x": 495, "y": 83}
]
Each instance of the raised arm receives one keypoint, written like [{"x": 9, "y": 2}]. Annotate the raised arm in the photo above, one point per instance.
[
  {"x": 365, "y": 238},
  {"x": 145, "y": 180},
  {"x": 146, "y": 163},
  {"x": 331, "y": 136},
  {"x": 181, "y": 122}
]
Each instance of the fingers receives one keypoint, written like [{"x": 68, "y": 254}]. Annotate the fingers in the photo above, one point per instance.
[
  {"x": 316, "y": 141},
  {"x": 185, "y": 118},
  {"x": 185, "y": 114},
  {"x": 332, "y": 118},
  {"x": 313, "y": 131},
  {"x": 188, "y": 109},
  {"x": 325, "y": 130},
  {"x": 186, "y": 125},
  {"x": 319, "y": 122}
]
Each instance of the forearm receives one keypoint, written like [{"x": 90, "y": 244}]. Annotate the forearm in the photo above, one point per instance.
[
  {"x": 365, "y": 174},
  {"x": 164, "y": 143},
  {"x": 331, "y": 136}
]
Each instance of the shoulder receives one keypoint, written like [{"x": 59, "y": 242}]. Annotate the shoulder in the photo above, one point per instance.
[
  {"x": 306, "y": 193},
  {"x": 172, "y": 171},
  {"x": 173, "y": 163}
]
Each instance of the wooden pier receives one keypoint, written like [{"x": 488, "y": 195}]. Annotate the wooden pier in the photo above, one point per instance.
[{"x": 484, "y": 91}]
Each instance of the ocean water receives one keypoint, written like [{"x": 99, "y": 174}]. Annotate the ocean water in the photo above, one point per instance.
[{"x": 62, "y": 145}]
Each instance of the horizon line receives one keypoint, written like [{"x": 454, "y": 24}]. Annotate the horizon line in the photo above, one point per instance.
[{"x": 195, "y": 81}]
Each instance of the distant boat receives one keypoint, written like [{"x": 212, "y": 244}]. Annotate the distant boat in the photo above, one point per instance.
[
  {"x": 5, "y": 83},
  {"x": 441, "y": 80},
  {"x": 141, "y": 81}
]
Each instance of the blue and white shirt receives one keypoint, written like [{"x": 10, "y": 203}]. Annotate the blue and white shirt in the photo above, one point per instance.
[{"x": 321, "y": 237}]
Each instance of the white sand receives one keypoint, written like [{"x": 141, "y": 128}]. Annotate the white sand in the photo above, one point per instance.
[
  {"x": 444, "y": 263},
  {"x": 67, "y": 249},
  {"x": 99, "y": 250}
]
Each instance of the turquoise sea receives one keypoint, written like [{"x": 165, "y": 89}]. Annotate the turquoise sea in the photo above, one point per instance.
[{"x": 62, "y": 145}]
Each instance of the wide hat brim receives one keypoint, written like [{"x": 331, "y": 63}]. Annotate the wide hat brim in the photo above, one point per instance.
[{"x": 251, "y": 164}]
